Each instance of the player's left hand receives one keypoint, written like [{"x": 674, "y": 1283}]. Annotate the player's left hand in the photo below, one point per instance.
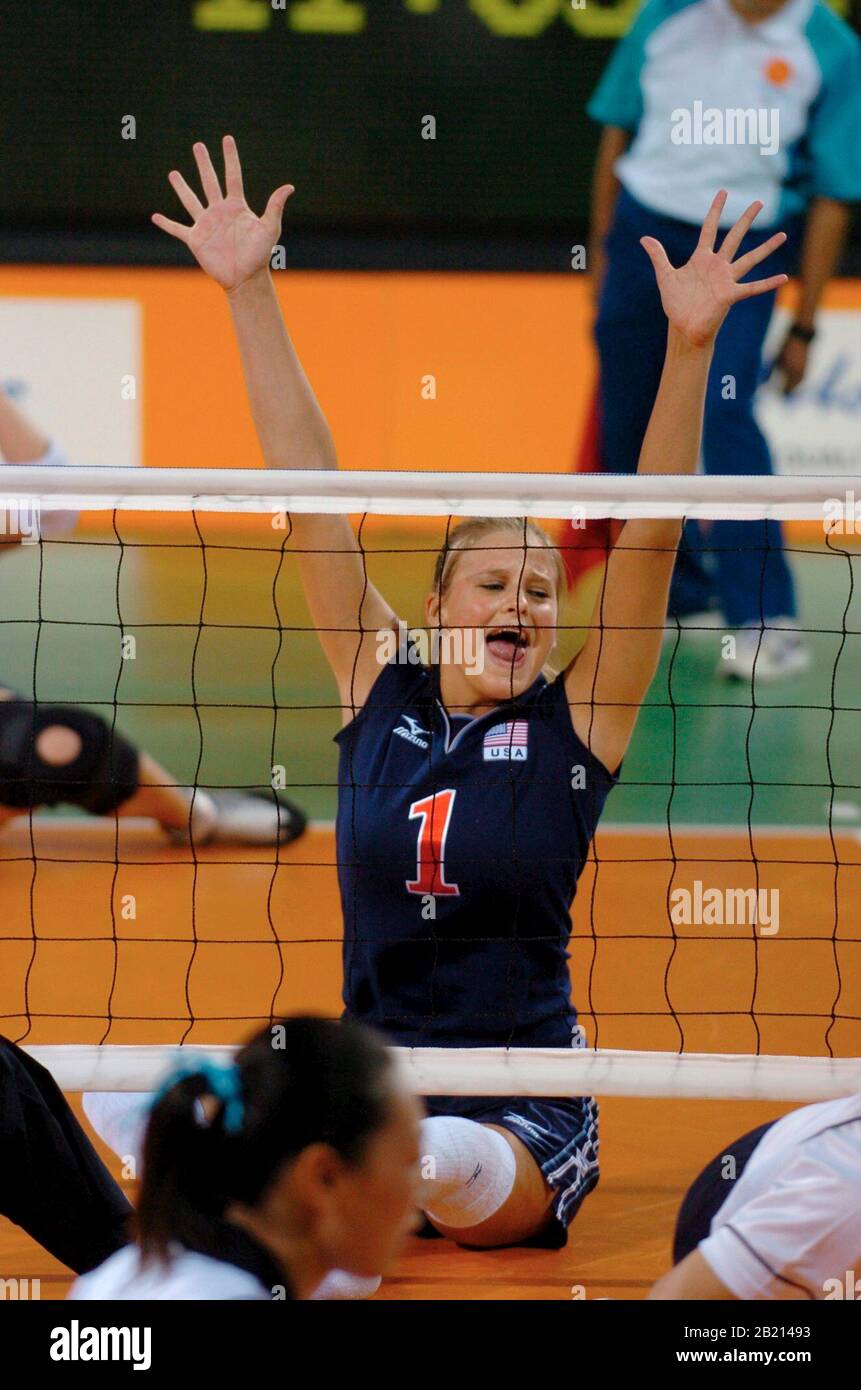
[
  {"x": 791, "y": 363},
  {"x": 698, "y": 296}
]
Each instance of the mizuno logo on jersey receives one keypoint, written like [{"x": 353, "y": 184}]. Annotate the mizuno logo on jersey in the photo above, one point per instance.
[
  {"x": 507, "y": 742},
  {"x": 411, "y": 734}
]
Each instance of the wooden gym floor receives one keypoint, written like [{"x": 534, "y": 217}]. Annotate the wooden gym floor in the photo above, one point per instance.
[{"x": 84, "y": 965}]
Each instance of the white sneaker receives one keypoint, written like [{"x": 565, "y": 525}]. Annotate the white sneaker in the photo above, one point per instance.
[
  {"x": 771, "y": 653},
  {"x": 242, "y": 818},
  {"x": 338, "y": 1284}
]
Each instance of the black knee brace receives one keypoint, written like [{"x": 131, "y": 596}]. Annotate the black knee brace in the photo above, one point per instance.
[{"x": 101, "y": 778}]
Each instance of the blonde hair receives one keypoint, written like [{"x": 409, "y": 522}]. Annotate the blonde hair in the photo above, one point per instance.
[{"x": 469, "y": 534}]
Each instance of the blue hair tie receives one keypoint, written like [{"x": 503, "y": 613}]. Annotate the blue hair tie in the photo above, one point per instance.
[{"x": 222, "y": 1082}]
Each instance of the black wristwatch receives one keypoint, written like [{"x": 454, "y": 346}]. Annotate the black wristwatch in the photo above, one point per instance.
[{"x": 805, "y": 334}]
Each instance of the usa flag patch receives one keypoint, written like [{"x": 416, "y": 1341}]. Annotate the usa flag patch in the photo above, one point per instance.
[{"x": 507, "y": 742}]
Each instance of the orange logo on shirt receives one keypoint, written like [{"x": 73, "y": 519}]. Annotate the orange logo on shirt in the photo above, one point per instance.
[{"x": 778, "y": 71}]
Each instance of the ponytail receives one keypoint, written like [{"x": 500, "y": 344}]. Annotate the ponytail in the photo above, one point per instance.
[{"x": 219, "y": 1135}]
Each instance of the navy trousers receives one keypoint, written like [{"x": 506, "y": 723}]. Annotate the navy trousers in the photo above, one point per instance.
[
  {"x": 708, "y": 1192},
  {"x": 52, "y": 1182}
]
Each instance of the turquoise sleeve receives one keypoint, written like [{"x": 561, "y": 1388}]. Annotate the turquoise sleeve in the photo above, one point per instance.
[
  {"x": 833, "y": 143},
  {"x": 618, "y": 99}
]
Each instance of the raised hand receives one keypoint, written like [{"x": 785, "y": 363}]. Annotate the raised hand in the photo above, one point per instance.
[
  {"x": 228, "y": 240},
  {"x": 698, "y": 296}
]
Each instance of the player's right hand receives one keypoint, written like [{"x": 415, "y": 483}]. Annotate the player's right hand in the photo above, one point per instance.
[
  {"x": 697, "y": 296},
  {"x": 228, "y": 240}
]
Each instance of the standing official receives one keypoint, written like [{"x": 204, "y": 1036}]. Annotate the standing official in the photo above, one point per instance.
[{"x": 763, "y": 98}]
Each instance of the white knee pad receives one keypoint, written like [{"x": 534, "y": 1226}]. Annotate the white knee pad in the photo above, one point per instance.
[{"x": 468, "y": 1170}]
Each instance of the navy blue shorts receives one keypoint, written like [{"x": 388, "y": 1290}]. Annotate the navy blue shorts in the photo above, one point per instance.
[
  {"x": 708, "y": 1192},
  {"x": 561, "y": 1135}
]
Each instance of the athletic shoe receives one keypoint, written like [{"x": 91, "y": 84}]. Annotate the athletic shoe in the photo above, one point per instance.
[
  {"x": 338, "y": 1284},
  {"x": 241, "y": 818},
  {"x": 771, "y": 653}
]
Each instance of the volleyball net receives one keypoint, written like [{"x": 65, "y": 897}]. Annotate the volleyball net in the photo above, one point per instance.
[{"x": 716, "y": 946}]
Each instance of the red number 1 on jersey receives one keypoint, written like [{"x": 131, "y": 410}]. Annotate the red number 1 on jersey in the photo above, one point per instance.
[{"x": 435, "y": 812}]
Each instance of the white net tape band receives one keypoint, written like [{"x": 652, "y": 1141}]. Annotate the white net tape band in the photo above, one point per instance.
[
  {"x": 497, "y": 1071},
  {"x": 545, "y": 495}
]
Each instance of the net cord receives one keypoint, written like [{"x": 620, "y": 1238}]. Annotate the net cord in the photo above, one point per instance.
[
  {"x": 498, "y": 1071},
  {"x": 389, "y": 493}
]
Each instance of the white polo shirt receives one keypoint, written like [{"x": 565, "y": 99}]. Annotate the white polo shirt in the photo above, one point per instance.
[
  {"x": 185, "y": 1276},
  {"x": 769, "y": 111},
  {"x": 791, "y": 1224}
]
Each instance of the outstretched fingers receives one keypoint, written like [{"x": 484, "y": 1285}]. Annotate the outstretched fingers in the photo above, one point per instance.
[
  {"x": 208, "y": 176},
  {"x": 710, "y": 226},
  {"x": 176, "y": 229},
  {"x": 657, "y": 255},
  {"x": 759, "y": 253},
  {"x": 754, "y": 287},
  {"x": 186, "y": 195},
  {"x": 735, "y": 236},
  {"x": 232, "y": 168},
  {"x": 275, "y": 208},
  {"x": 190, "y": 201}
]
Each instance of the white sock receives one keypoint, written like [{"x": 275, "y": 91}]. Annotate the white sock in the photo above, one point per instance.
[
  {"x": 120, "y": 1119},
  {"x": 339, "y": 1284},
  {"x": 468, "y": 1170},
  {"x": 204, "y": 818}
]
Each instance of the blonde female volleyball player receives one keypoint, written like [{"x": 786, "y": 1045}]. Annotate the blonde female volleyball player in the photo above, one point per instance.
[
  {"x": 261, "y": 1176},
  {"x": 474, "y": 787}
]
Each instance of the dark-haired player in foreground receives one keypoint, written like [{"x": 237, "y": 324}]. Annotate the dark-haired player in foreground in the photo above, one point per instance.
[
  {"x": 262, "y": 1176},
  {"x": 475, "y": 789}
]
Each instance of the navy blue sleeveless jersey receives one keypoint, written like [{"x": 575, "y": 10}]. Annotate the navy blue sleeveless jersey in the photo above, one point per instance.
[{"x": 459, "y": 848}]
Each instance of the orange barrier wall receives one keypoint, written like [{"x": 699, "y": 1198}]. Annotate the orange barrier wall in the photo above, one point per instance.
[{"x": 511, "y": 354}]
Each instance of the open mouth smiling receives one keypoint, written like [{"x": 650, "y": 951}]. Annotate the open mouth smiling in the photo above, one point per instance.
[{"x": 508, "y": 645}]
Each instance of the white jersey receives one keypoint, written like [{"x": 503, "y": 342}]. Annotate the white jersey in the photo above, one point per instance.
[
  {"x": 767, "y": 110},
  {"x": 791, "y": 1224},
  {"x": 186, "y": 1275}
]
